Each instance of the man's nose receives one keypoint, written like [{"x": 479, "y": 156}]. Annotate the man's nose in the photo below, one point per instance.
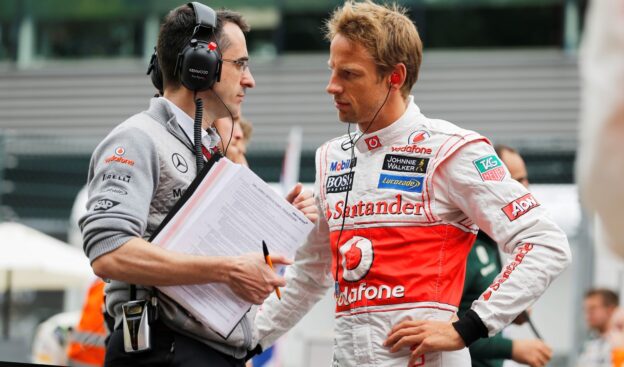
[
  {"x": 248, "y": 80},
  {"x": 333, "y": 87}
]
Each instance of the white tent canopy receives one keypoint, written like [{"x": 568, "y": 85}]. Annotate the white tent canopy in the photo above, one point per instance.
[{"x": 37, "y": 261}]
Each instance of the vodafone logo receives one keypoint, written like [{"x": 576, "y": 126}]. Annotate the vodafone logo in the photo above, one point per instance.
[
  {"x": 418, "y": 136},
  {"x": 120, "y": 151},
  {"x": 373, "y": 142},
  {"x": 357, "y": 258}
]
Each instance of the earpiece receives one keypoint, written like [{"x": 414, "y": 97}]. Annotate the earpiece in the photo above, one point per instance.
[{"x": 395, "y": 78}]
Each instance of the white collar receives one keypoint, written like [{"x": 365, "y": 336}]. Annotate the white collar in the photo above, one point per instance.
[
  {"x": 385, "y": 136},
  {"x": 209, "y": 138}
]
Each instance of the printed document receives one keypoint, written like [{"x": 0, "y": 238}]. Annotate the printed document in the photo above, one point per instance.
[{"x": 230, "y": 213}]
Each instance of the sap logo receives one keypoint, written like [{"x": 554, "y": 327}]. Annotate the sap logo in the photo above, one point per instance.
[
  {"x": 177, "y": 193},
  {"x": 520, "y": 207},
  {"x": 340, "y": 183},
  {"x": 490, "y": 168},
  {"x": 104, "y": 204},
  {"x": 403, "y": 183},
  {"x": 337, "y": 166}
]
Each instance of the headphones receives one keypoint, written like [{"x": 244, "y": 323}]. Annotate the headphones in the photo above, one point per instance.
[
  {"x": 199, "y": 64},
  {"x": 395, "y": 78},
  {"x": 153, "y": 70}
]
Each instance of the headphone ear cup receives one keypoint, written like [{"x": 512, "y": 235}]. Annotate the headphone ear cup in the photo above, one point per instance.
[
  {"x": 156, "y": 76},
  {"x": 155, "y": 73},
  {"x": 198, "y": 66}
]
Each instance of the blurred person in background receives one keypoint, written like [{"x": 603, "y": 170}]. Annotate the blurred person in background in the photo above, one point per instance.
[
  {"x": 233, "y": 142},
  {"x": 599, "y": 305},
  {"x": 600, "y": 159},
  {"x": 484, "y": 264},
  {"x": 87, "y": 347},
  {"x": 616, "y": 337},
  {"x": 401, "y": 202},
  {"x": 134, "y": 175}
]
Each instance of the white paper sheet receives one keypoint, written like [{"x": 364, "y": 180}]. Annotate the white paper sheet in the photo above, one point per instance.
[{"x": 230, "y": 213}]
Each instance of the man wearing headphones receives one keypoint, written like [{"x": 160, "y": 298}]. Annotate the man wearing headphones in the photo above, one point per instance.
[
  {"x": 136, "y": 175},
  {"x": 402, "y": 200}
]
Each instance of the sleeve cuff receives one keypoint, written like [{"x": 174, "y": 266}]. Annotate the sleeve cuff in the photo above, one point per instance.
[{"x": 470, "y": 327}]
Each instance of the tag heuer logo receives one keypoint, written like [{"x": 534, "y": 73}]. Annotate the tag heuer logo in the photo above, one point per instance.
[{"x": 490, "y": 168}]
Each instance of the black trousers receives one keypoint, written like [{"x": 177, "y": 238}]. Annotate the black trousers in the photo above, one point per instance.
[{"x": 169, "y": 349}]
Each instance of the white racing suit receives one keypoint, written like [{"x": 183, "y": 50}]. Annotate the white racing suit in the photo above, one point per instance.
[{"x": 419, "y": 190}]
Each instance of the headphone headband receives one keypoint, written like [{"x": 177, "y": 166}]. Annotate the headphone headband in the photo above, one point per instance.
[{"x": 205, "y": 17}]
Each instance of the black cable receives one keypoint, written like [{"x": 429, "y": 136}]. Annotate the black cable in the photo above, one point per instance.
[
  {"x": 227, "y": 146},
  {"x": 344, "y": 216},
  {"x": 197, "y": 133},
  {"x": 231, "y": 119}
]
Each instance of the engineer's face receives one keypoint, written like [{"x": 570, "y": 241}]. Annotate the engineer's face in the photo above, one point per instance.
[
  {"x": 357, "y": 90},
  {"x": 235, "y": 79}
]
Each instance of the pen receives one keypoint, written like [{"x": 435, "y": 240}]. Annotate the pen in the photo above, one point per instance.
[{"x": 267, "y": 259}]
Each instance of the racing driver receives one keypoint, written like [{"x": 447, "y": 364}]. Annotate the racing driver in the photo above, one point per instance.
[{"x": 403, "y": 199}]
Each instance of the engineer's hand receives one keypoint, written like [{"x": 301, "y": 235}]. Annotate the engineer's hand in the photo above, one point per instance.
[
  {"x": 252, "y": 279},
  {"x": 304, "y": 201},
  {"x": 423, "y": 336},
  {"x": 533, "y": 352}
]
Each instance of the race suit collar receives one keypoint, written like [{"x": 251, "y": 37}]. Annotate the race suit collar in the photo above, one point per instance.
[{"x": 390, "y": 133}]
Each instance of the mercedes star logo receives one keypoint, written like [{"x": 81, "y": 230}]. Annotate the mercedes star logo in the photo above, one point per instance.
[{"x": 179, "y": 162}]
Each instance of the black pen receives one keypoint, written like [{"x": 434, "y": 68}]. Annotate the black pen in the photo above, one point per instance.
[{"x": 267, "y": 259}]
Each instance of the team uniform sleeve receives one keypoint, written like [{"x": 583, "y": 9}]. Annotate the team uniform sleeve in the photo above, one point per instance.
[
  {"x": 495, "y": 347},
  {"x": 307, "y": 281},
  {"x": 123, "y": 174},
  {"x": 513, "y": 218}
]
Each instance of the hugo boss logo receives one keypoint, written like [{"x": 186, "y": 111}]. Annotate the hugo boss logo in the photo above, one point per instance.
[{"x": 340, "y": 183}]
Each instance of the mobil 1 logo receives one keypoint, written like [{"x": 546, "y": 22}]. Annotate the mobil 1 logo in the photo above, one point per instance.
[{"x": 339, "y": 183}]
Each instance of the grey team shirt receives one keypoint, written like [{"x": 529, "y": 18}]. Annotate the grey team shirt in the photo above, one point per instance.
[{"x": 136, "y": 175}]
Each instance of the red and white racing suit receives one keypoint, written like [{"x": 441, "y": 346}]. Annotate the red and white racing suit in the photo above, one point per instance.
[{"x": 419, "y": 190}]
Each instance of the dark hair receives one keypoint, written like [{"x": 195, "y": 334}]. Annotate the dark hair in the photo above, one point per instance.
[
  {"x": 175, "y": 34},
  {"x": 609, "y": 297}
]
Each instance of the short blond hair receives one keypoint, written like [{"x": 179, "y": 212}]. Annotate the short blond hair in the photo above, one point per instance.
[{"x": 385, "y": 32}]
